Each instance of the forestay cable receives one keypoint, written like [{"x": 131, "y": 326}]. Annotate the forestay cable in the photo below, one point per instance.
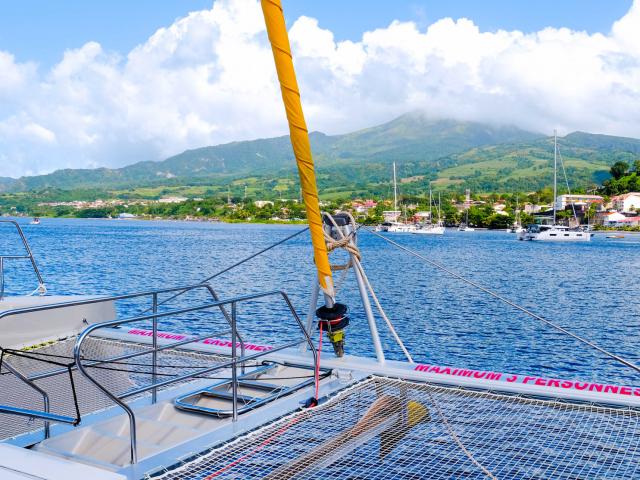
[
  {"x": 238, "y": 263},
  {"x": 507, "y": 301}
]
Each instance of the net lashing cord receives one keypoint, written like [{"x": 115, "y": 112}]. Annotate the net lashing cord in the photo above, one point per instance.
[
  {"x": 525, "y": 310},
  {"x": 67, "y": 366},
  {"x": 36, "y": 356}
]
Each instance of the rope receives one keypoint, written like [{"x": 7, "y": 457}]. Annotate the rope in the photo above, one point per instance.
[
  {"x": 317, "y": 373},
  {"x": 508, "y": 302},
  {"x": 457, "y": 440},
  {"x": 237, "y": 264},
  {"x": 354, "y": 261}
]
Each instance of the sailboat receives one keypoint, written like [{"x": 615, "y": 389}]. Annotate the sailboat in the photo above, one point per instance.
[
  {"x": 393, "y": 225},
  {"x": 103, "y": 395},
  {"x": 555, "y": 232},
  {"x": 517, "y": 225},
  {"x": 431, "y": 228}
]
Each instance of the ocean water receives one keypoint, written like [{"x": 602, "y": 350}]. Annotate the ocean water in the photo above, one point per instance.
[{"x": 592, "y": 289}]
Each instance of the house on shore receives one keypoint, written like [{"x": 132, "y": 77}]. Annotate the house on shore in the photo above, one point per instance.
[{"x": 626, "y": 203}]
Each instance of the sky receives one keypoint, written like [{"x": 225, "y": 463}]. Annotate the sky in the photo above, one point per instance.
[{"x": 88, "y": 84}]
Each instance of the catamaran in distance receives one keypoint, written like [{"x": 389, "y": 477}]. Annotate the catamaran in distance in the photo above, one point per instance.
[{"x": 555, "y": 232}]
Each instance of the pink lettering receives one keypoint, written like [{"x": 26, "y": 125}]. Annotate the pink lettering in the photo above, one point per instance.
[
  {"x": 512, "y": 378},
  {"x": 553, "y": 383},
  {"x": 527, "y": 379},
  {"x": 580, "y": 386},
  {"x": 494, "y": 376},
  {"x": 540, "y": 382},
  {"x": 595, "y": 386},
  {"x": 625, "y": 391},
  {"x": 611, "y": 389}
]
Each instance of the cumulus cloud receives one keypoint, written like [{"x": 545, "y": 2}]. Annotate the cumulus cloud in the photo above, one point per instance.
[{"x": 209, "y": 78}]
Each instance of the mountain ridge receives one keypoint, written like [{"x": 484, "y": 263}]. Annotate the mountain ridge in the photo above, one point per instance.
[{"x": 449, "y": 152}]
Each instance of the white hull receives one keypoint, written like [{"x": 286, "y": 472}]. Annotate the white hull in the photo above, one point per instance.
[
  {"x": 402, "y": 228},
  {"x": 555, "y": 235},
  {"x": 430, "y": 230}
]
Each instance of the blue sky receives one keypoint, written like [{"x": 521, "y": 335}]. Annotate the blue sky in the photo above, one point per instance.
[
  {"x": 66, "y": 101},
  {"x": 40, "y": 30}
]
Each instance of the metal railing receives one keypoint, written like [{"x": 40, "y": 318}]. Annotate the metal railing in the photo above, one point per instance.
[
  {"x": 199, "y": 371},
  {"x": 41, "y": 289},
  {"x": 30, "y": 380}
]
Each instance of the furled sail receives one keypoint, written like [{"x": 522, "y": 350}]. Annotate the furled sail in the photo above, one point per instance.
[{"x": 279, "y": 39}]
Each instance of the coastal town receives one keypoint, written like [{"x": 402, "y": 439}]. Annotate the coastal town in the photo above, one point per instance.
[{"x": 492, "y": 211}]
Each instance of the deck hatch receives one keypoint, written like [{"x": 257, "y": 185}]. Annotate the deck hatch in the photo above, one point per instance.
[{"x": 255, "y": 388}]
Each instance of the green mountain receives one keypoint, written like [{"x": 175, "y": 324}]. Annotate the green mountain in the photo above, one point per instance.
[
  {"x": 408, "y": 138},
  {"x": 529, "y": 165},
  {"x": 452, "y": 154}
]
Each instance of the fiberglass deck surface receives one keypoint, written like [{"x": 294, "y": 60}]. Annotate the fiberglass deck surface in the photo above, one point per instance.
[
  {"x": 466, "y": 434},
  {"x": 117, "y": 376}
]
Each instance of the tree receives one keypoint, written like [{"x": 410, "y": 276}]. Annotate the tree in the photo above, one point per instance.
[
  {"x": 636, "y": 166},
  {"x": 619, "y": 169}
]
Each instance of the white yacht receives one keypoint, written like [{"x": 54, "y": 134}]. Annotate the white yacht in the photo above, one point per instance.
[
  {"x": 393, "y": 225},
  {"x": 464, "y": 226},
  {"x": 555, "y": 232},
  {"x": 431, "y": 228},
  {"x": 106, "y": 395}
]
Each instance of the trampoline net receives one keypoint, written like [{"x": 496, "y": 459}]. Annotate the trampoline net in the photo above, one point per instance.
[{"x": 386, "y": 428}]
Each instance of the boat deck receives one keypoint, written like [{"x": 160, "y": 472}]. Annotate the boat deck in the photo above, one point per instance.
[
  {"x": 372, "y": 424},
  {"x": 118, "y": 377}
]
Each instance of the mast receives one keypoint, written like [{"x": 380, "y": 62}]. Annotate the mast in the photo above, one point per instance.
[
  {"x": 430, "y": 204},
  {"x": 279, "y": 39},
  {"x": 395, "y": 189},
  {"x": 439, "y": 209},
  {"x": 555, "y": 173}
]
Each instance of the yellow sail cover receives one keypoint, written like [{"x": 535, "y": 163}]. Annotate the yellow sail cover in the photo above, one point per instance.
[{"x": 277, "y": 31}]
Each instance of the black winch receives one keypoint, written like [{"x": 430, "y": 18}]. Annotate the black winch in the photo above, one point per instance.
[{"x": 334, "y": 320}]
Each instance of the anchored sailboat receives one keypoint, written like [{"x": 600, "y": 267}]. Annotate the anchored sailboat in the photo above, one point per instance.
[
  {"x": 392, "y": 223},
  {"x": 431, "y": 228},
  {"x": 555, "y": 232}
]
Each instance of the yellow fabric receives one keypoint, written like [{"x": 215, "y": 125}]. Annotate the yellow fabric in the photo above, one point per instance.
[{"x": 277, "y": 31}]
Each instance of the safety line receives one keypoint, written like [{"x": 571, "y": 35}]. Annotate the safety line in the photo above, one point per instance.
[{"x": 507, "y": 301}]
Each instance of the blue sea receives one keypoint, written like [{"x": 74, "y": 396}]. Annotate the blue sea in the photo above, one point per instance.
[{"x": 592, "y": 289}]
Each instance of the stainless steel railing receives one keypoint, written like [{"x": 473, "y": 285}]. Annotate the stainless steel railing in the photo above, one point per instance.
[
  {"x": 29, "y": 256},
  {"x": 118, "y": 399},
  {"x": 30, "y": 380}
]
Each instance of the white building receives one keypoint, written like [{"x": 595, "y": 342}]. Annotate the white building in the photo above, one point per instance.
[
  {"x": 610, "y": 219},
  {"x": 563, "y": 201},
  {"x": 262, "y": 203},
  {"x": 627, "y": 202},
  {"x": 173, "y": 200},
  {"x": 391, "y": 215}
]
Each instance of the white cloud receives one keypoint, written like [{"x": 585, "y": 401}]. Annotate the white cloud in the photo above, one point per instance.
[{"x": 209, "y": 78}]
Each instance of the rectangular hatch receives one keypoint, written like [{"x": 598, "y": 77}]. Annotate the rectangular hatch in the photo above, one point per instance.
[{"x": 257, "y": 387}]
